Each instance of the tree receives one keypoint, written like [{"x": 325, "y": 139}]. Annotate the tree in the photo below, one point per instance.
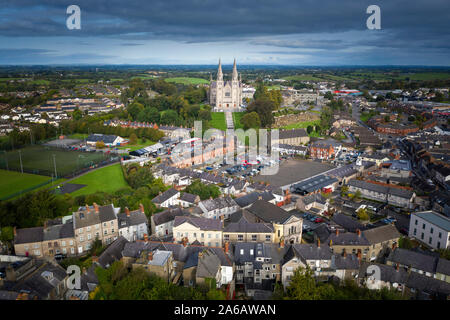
[
  {"x": 204, "y": 191},
  {"x": 133, "y": 138},
  {"x": 309, "y": 129},
  {"x": 100, "y": 144},
  {"x": 251, "y": 120},
  {"x": 328, "y": 95},
  {"x": 263, "y": 107},
  {"x": 362, "y": 214},
  {"x": 344, "y": 190},
  {"x": 356, "y": 196},
  {"x": 405, "y": 243},
  {"x": 169, "y": 117}
]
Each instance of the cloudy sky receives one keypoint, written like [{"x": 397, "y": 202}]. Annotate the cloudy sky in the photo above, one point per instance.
[{"x": 279, "y": 32}]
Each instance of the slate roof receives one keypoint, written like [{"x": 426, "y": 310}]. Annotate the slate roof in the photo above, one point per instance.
[
  {"x": 347, "y": 222},
  {"x": 243, "y": 226},
  {"x": 269, "y": 212},
  {"x": 250, "y": 198},
  {"x": 37, "y": 284},
  {"x": 112, "y": 253},
  {"x": 347, "y": 238},
  {"x": 443, "y": 266},
  {"x": 188, "y": 197},
  {"x": 293, "y": 133},
  {"x": 165, "y": 196},
  {"x": 218, "y": 203},
  {"x": 312, "y": 251},
  {"x": 199, "y": 222},
  {"x": 168, "y": 215},
  {"x": 29, "y": 235},
  {"x": 208, "y": 264},
  {"x": 419, "y": 261},
  {"x": 59, "y": 232},
  {"x": 381, "y": 234},
  {"x": 101, "y": 137},
  {"x": 435, "y": 218},
  {"x": 339, "y": 262},
  {"x": 84, "y": 218},
  {"x": 265, "y": 250},
  {"x": 136, "y": 217}
]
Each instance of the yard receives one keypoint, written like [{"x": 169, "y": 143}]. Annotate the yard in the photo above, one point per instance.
[
  {"x": 218, "y": 121},
  {"x": 304, "y": 125},
  {"x": 108, "y": 179}
]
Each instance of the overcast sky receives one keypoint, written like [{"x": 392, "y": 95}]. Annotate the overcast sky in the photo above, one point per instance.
[{"x": 294, "y": 32}]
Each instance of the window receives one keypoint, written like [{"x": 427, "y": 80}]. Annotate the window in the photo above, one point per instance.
[
  {"x": 267, "y": 237},
  {"x": 423, "y": 226},
  {"x": 421, "y": 237},
  {"x": 440, "y": 235},
  {"x": 81, "y": 230},
  {"x": 431, "y": 230},
  {"x": 195, "y": 235},
  {"x": 37, "y": 252},
  {"x": 209, "y": 235},
  {"x": 415, "y": 231},
  {"x": 240, "y": 237},
  {"x": 88, "y": 228},
  {"x": 106, "y": 232},
  {"x": 254, "y": 237},
  {"x": 104, "y": 224},
  {"x": 251, "y": 252},
  {"x": 438, "y": 245},
  {"x": 217, "y": 244},
  {"x": 72, "y": 250},
  {"x": 429, "y": 240},
  {"x": 203, "y": 235},
  {"x": 25, "y": 247},
  {"x": 112, "y": 230},
  {"x": 49, "y": 244},
  {"x": 278, "y": 233},
  {"x": 226, "y": 237},
  {"x": 64, "y": 250},
  {"x": 89, "y": 236},
  {"x": 242, "y": 251},
  {"x": 112, "y": 223},
  {"x": 217, "y": 236},
  {"x": 71, "y": 242},
  {"x": 82, "y": 239},
  {"x": 63, "y": 243},
  {"x": 97, "y": 226},
  {"x": 415, "y": 222},
  {"x": 178, "y": 234}
]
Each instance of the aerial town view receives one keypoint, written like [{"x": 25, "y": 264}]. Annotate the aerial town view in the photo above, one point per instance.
[{"x": 236, "y": 151}]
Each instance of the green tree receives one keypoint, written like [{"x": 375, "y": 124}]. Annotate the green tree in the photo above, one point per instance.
[
  {"x": 309, "y": 129},
  {"x": 133, "y": 139},
  {"x": 204, "y": 191},
  {"x": 362, "y": 214},
  {"x": 100, "y": 145},
  {"x": 251, "y": 120},
  {"x": 263, "y": 107}
]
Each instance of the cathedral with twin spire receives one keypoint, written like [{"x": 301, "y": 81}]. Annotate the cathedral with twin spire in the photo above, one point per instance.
[{"x": 225, "y": 95}]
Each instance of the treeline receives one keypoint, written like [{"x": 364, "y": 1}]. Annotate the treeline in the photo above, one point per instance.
[
  {"x": 17, "y": 139},
  {"x": 263, "y": 104},
  {"x": 29, "y": 101}
]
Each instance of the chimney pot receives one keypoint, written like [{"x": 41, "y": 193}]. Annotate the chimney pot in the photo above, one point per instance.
[
  {"x": 282, "y": 243},
  {"x": 15, "y": 231},
  {"x": 337, "y": 232},
  {"x": 227, "y": 246},
  {"x": 141, "y": 207},
  {"x": 318, "y": 242},
  {"x": 397, "y": 267},
  {"x": 344, "y": 253},
  {"x": 150, "y": 256},
  {"x": 145, "y": 237},
  {"x": 127, "y": 211},
  {"x": 358, "y": 232},
  {"x": 96, "y": 208}
]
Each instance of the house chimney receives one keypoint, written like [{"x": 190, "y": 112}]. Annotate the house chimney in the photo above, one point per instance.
[
  {"x": 94, "y": 259},
  {"x": 331, "y": 243},
  {"x": 145, "y": 237},
  {"x": 96, "y": 208},
  {"x": 397, "y": 267},
  {"x": 282, "y": 243},
  {"x": 200, "y": 254},
  {"x": 344, "y": 253},
  {"x": 318, "y": 243},
  {"x": 84, "y": 270},
  {"x": 15, "y": 232},
  {"x": 184, "y": 241},
  {"x": 358, "y": 232},
  {"x": 394, "y": 246},
  {"x": 141, "y": 207},
  {"x": 127, "y": 211},
  {"x": 227, "y": 246},
  {"x": 359, "y": 255},
  {"x": 45, "y": 224},
  {"x": 87, "y": 208},
  {"x": 259, "y": 197},
  {"x": 337, "y": 232},
  {"x": 150, "y": 256}
]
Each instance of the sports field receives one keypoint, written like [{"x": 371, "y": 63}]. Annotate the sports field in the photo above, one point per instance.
[
  {"x": 108, "y": 179},
  {"x": 39, "y": 160},
  {"x": 12, "y": 182},
  {"x": 187, "y": 80}
]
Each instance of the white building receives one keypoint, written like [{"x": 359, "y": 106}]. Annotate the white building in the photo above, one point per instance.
[
  {"x": 431, "y": 228},
  {"x": 133, "y": 225}
]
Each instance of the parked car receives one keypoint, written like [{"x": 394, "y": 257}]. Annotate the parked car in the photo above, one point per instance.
[{"x": 318, "y": 220}]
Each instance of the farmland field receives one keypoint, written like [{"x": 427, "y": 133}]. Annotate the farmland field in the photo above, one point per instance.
[
  {"x": 108, "y": 179},
  {"x": 12, "y": 182},
  {"x": 39, "y": 160},
  {"x": 187, "y": 80}
]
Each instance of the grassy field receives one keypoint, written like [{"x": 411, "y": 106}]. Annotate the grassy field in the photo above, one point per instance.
[
  {"x": 13, "y": 181},
  {"x": 303, "y": 77},
  {"x": 39, "y": 160},
  {"x": 187, "y": 80},
  {"x": 108, "y": 179},
  {"x": 139, "y": 145},
  {"x": 237, "y": 120},
  {"x": 218, "y": 121}
]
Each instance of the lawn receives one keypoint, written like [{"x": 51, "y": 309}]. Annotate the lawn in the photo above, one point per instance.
[
  {"x": 108, "y": 179},
  {"x": 237, "y": 119},
  {"x": 139, "y": 145},
  {"x": 304, "y": 125},
  {"x": 218, "y": 121},
  {"x": 303, "y": 77},
  {"x": 39, "y": 160},
  {"x": 187, "y": 80},
  {"x": 12, "y": 182}
]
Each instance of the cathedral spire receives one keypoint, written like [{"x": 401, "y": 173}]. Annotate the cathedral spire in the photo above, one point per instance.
[
  {"x": 235, "y": 73},
  {"x": 219, "y": 72}
]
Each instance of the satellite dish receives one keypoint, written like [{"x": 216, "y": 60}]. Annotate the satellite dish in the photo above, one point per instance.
[{"x": 395, "y": 284}]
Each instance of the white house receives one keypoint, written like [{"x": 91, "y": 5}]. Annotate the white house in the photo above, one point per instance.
[
  {"x": 431, "y": 228},
  {"x": 167, "y": 198},
  {"x": 133, "y": 225}
]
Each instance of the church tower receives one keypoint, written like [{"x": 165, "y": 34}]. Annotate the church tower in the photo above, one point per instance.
[{"x": 226, "y": 95}]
